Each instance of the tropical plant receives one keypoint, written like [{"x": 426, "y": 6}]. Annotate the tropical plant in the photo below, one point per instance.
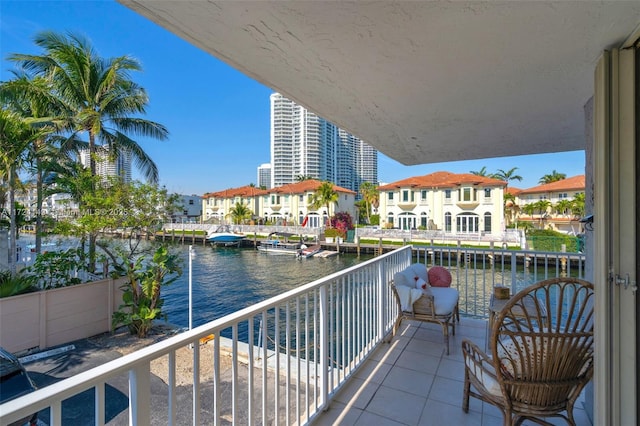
[
  {"x": 142, "y": 301},
  {"x": 554, "y": 176},
  {"x": 325, "y": 195},
  {"x": 529, "y": 209},
  {"x": 507, "y": 175},
  {"x": 563, "y": 207},
  {"x": 578, "y": 205},
  {"x": 101, "y": 98},
  {"x": 15, "y": 137},
  {"x": 240, "y": 212},
  {"x": 57, "y": 268},
  {"x": 14, "y": 284},
  {"x": 341, "y": 221},
  {"x": 482, "y": 172},
  {"x": 370, "y": 196}
]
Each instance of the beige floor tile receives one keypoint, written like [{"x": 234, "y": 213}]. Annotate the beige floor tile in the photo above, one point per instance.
[
  {"x": 394, "y": 404},
  {"x": 410, "y": 381}
]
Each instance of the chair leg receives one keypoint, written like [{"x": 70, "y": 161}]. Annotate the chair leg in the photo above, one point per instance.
[
  {"x": 445, "y": 330},
  {"x": 457, "y": 313},
  {"x": 467, "y": 388}
]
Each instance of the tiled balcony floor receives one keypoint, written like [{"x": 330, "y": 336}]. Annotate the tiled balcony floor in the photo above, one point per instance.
[{"x": 411, "y": 381}]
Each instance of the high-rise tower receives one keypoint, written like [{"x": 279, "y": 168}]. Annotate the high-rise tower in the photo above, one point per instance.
[
  {"x": 108, "y": 165},
  {"x": 303, "y": 144}
]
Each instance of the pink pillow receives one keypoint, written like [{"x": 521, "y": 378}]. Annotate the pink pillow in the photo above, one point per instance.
[{"x": 439, "y": 276}]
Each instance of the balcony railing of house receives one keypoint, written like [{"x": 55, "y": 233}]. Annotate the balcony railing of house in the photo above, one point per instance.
[{"x": 290, "y": 354}]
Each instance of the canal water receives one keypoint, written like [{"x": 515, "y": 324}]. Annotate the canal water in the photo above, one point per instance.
[{"x": 225, "y": 280}]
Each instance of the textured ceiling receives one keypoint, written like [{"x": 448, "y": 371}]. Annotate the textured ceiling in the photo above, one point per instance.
[{"x": 421, "y": 81}]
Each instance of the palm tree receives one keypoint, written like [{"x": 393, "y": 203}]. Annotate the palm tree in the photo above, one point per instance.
[
  {"x": 101, "y": 98},
  {"x": 31, "y": 98},
  {"x": 15, "y": 137},
  {"x": 562, "y": 207},
  {"x": 482, "y": 172},
  {"x": 552, "y": 177},
  {"x": 301, "y": 178},
  {"x": 369, "y": 194},
  {"x": 529, "y": 209},
  {"x": 325, "y": 195},
  {"x": 577, "y": 205},
  {"x": 507, "y": 176},
  {"x": 99, "y": 94},
  {"x": 239, "y": 213}
]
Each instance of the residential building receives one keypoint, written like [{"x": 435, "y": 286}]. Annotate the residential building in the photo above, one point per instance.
[
  {"x": 453, "y": 203},
  {"x": 190, "y": 209},
  {"x": 109, "y": 165},
  {"x": 292, "y": 204},
  {"x": 216, "y": 206},
  {"x": 304, "y": 144},
  {"x": 264, "y": 176},
  {"x": 553, "y": 205}
]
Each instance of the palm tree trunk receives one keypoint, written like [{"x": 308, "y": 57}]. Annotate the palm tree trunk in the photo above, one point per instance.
[
  {"x": 38, "y": 207},
  {"x": 12, "y": 222},
  {"x": 91, "y": 267}
]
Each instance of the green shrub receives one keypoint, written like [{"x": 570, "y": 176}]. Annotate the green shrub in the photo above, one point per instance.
[
  {"x": 12, "y": 285},
  {"x": 549, "y": 240}
]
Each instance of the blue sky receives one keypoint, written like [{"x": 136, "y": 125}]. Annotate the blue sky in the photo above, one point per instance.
[{"x": 217, "y": 117}]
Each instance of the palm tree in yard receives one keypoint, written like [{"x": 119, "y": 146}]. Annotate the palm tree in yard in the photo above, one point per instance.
[
  {"x": 102, "y": 100},
  {"x": 507, "y": 175},
  {"x": 325, "y": 195},
  {"x": 563, "y": 206},
  {"x": 554, "y": 176},
  {"x": 369, "y": 194},
  {"x": 240, "y": 212},
  {"x": 32, "y": 98},
  {"x": 482, "y": 172},
  {"x": 15, "y": 137}
]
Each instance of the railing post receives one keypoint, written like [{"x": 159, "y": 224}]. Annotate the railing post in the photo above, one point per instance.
[
  {"x": 140, "y": 395},
  {"x": 382, "y": 313},
  {"x": 324, "y": 347},
  {"x": 514, "y": 267}
]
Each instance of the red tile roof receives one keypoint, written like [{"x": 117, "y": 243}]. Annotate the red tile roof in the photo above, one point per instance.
[
  {"x": 443, "y": 180},
  {"x": 575, "y": 183},
  {"x": 513, "y": 190},
  {"x": 244, "y": 191},
  {"x": 309, "y": 185}
]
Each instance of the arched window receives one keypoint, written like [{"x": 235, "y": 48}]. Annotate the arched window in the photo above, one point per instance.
[
  {"x": 467, "y": 223},
  {"x": 487, "y": 222},
  {"x": 390, "y": 219},
  {"x": 447, "y": 222},
  {"x": 423, "y": 220}
]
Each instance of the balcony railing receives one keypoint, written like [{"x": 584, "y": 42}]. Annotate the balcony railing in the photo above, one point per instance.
[{"x": 292, "y": 353}]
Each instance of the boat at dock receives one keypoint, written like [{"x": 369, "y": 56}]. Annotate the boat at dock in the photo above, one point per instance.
[
  {"x": 223, "y": 235},
  {"x": 278, "y": 243},
  {"x": 310, "y": 251}
]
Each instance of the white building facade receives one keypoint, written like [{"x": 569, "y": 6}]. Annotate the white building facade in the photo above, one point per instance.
[
  {"x": 303, "y": 144},
  {"x": 108, "y": 165},
  {"x": 461, "y": 204}
]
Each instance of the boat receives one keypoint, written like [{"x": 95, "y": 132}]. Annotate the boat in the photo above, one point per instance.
[
  {"x": 310, "y": 251},
  {"x": 224, "y": 236},
  {"x": 278, "y": 243}
]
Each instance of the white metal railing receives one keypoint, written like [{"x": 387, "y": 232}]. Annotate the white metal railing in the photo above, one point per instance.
[
  {"x": 476, "y": 271},
  {"x": 299, "y": 348}
]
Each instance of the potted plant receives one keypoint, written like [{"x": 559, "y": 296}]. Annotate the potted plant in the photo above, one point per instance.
[{"x": 330, "y": 234}]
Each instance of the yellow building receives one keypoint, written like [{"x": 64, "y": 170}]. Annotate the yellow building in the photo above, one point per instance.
[{"x": 217, "y": 205}]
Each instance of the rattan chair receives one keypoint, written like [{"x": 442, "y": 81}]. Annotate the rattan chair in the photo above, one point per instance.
[{"x": 542, "y": 354}]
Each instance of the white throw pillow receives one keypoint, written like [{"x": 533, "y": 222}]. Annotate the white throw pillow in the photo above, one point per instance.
[{"x": 422, "y": 284}]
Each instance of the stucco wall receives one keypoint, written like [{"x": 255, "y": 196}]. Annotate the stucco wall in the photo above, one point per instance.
[{"x": 55, "y": 317}]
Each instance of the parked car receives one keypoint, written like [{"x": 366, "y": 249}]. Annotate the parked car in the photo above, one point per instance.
[{"x": 15, "y": 382}]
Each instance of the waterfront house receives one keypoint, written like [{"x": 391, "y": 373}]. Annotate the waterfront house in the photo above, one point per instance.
[
  {"x": 190, "y": 209},
  {"x": 454, "y": 203},
  {"x": 551, "y": 205},
  {"x": 216, "y": 206},
  {"x": 291, "y": 204}
]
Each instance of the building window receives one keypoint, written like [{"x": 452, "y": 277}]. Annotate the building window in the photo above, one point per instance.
[
  {"x": 407, "y": 196},
  {"x": 423, "y": 195},
  {"x": 487, "y": 193},
  {"x": 390, "y": 219},
  {"x": 301, "y": 198},
  {"x": 467, "y": 194},
  {"x": 467, "y": 224},
  {"x": 447, "y": 194},
  {"x": 487, "y": 222},
  {"x": 423, "y": 220},
  {"x": 191, "y": 202},
  {"x": 390, "y": 196},
  {"x": 562, "y": 195},
  {"x": 447, "y": 222}
]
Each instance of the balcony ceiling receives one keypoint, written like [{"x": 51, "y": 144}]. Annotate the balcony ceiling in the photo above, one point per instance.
[{"x": 423, "y": 82}]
